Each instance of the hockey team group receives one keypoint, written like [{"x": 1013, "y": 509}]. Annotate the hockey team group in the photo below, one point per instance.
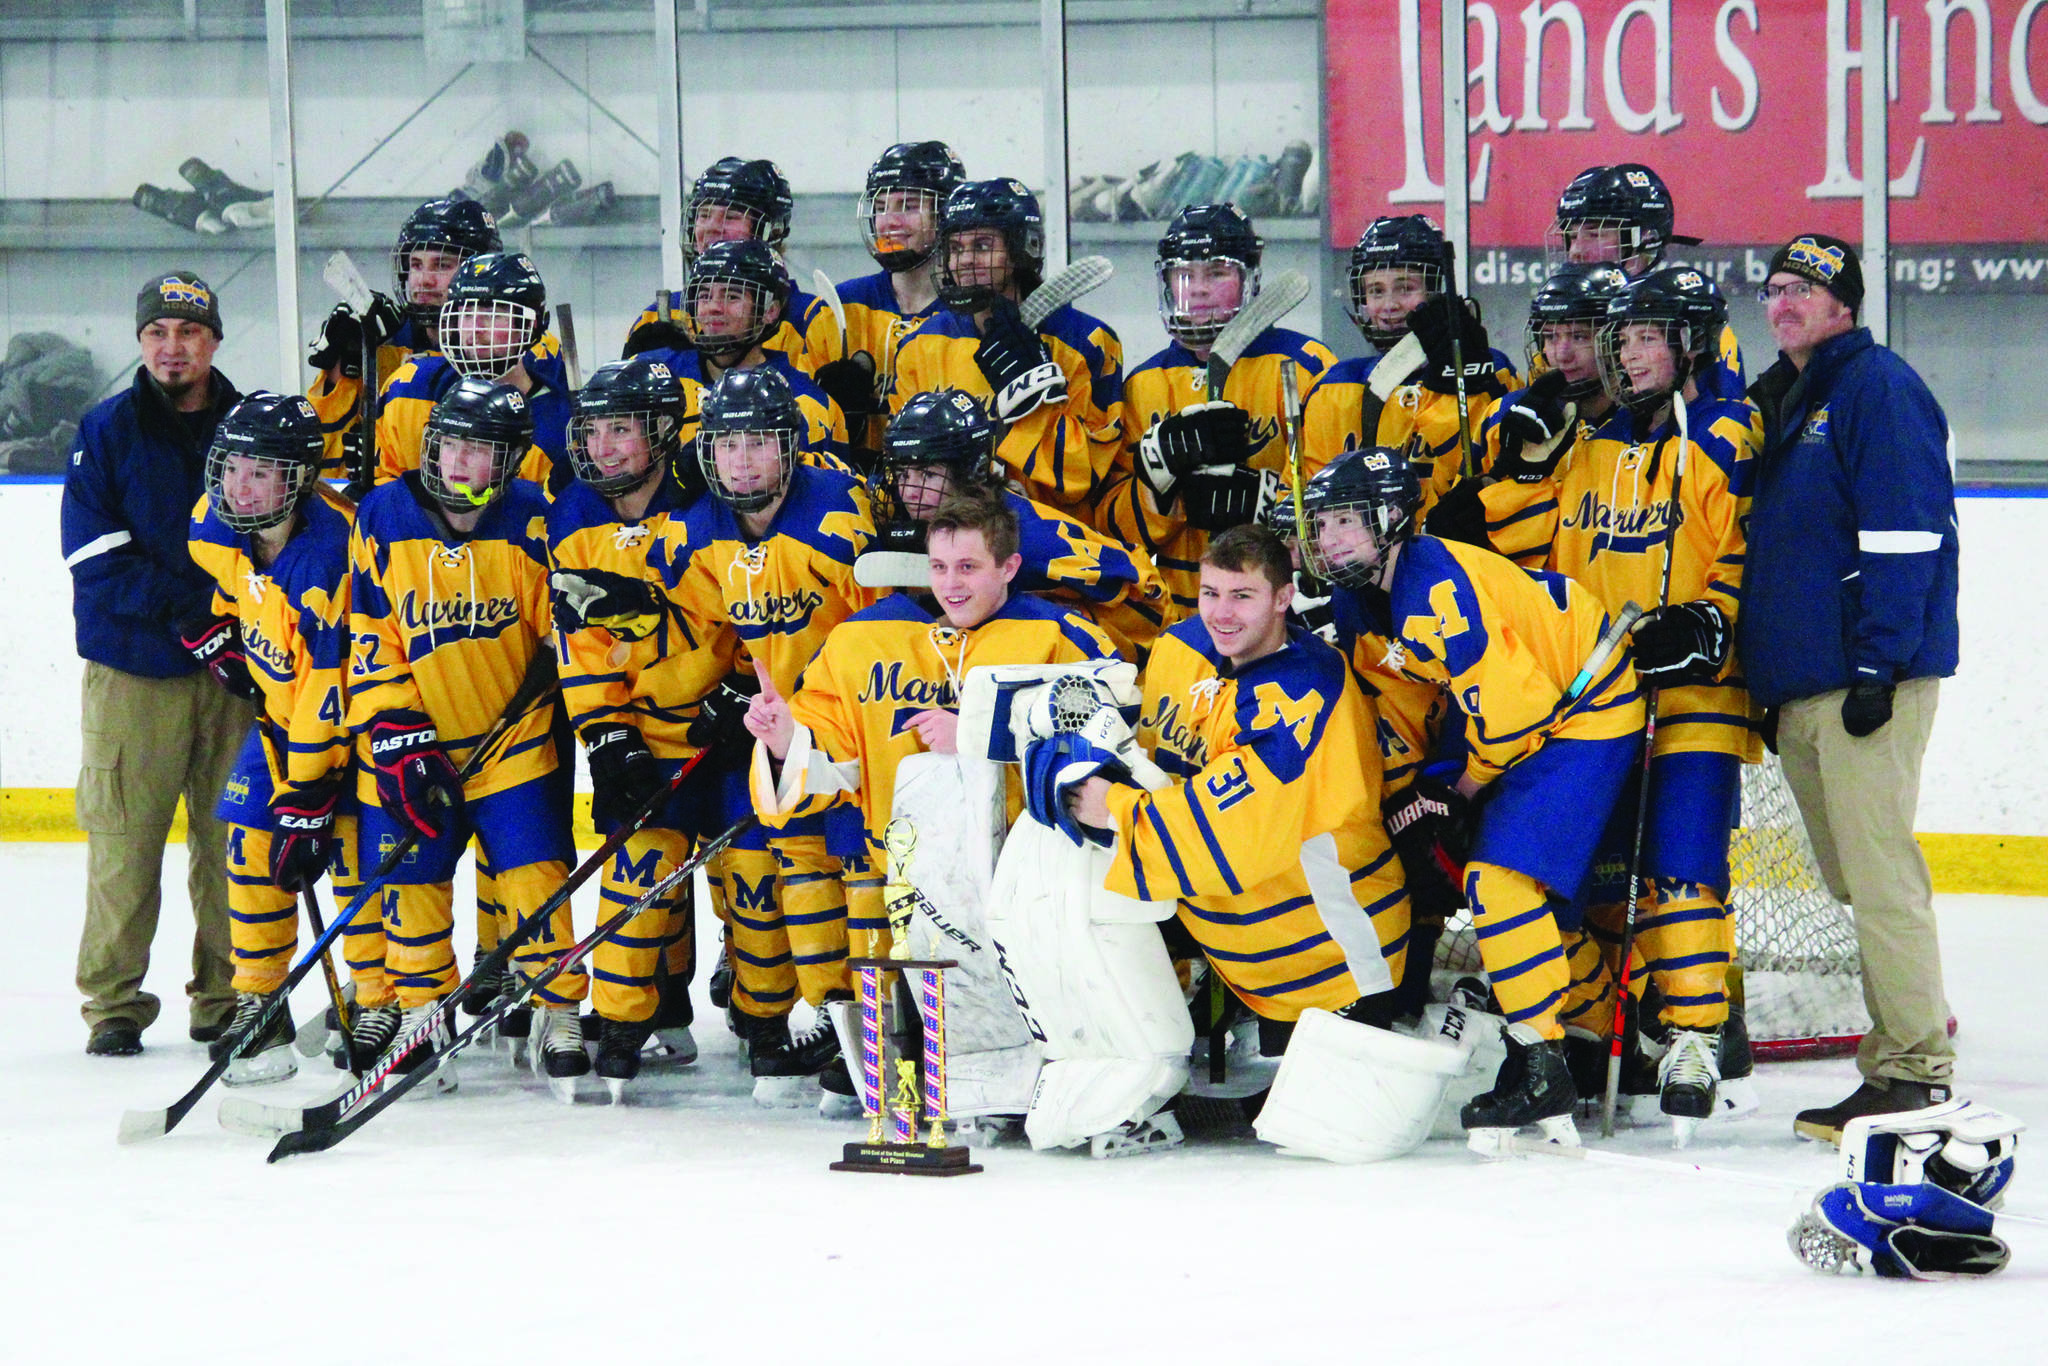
[{"x": 1257, "y": 666}]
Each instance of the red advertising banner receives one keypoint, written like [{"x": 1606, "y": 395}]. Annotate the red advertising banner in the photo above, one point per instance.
[{"x": 1747, "y": 108}]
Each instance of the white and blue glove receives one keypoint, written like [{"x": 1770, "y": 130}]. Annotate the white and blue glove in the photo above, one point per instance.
[{"x": 1053, "y": 767}]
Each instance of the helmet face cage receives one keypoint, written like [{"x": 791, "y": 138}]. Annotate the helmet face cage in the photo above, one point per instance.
[
  {"x": 484, "y": 338},
  {"x": 754, "y": 192},
  {"x": 1642, "y": 397},
  {"x": 1602, "y": 241},
  {"x": 913, "y": 229},
  {"x": 621, "y": 434},
  {"x": 732, "y": 309},
  {"x": 749, "y": 444},
  {"x": 254, "y": 490},
  {"x": 969, "y": 280},
  {"x": 441, "y": 445},
  {"x": 1366, "y": 283},
  {"x": 1188, "y": 286},
  {"x": 1363, "y": 501},
  {"x": 421, "y": 298},
  {"x": 452, "y": 228}
]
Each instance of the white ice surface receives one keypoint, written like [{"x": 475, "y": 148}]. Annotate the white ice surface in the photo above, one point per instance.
[{"x": 690, "y": 1226}]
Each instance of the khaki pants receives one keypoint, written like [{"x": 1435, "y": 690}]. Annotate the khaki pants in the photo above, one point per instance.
[
  {"x": 149, "y": 741},
  {"x": 1857, "y": 799}
]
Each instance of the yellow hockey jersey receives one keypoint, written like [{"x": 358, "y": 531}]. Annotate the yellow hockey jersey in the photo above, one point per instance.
[
  {"x": 807, "y": 337},
  {"x": 1270, "y": 840},
  {"x": 338, "y": 399},
  {"x": 447, "y": 624},
  {"x": 294, "y": 622},
  {"x": 1605, "y": 519},
  {"x": 1334, "y": 421},
  {"x": 410, "y": 395}
]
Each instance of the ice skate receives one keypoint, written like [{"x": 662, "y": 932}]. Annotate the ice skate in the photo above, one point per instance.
[
  {"x": 558, "y": 1049},
  {"x": 672, "y": 1041},
  {"x": 1686, "y": 1081},
  {"x": 1736, "y": 1096},
  {"x": 1534, "y": 1087},
  {"x": 375, "y": 1027},
  {"x": 264, "y": 1059},
  {"x": 444, "y": 1080},
  {"x": 237, "y": 204},
  {"x": 1136, "y": 1136},
  {"x": 618, "y": 1054}
]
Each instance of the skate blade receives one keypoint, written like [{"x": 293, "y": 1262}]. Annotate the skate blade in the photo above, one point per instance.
[
  {"x": 271, "y": 1065},
  {"x": 441, "y": 1083},
  {"x": 564, "y": 1088},
  {"x": 615, "y": 1087},
  {"x": 1683, "y": 1127},
  {"x": 1736, "y": 1098},
  {"x": 784, "y": 1093},
  {"x": 1499, "y": 1142},
  {"x": 675, "y": 1045},
  {"x": 832, "y": 1105},
  {"x": 1159, "y": 1134}
]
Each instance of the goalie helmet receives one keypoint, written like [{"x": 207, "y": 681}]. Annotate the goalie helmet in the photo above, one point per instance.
[
  {"x": 461, "y": 227},
  {"x": 748, "y": 434},
  {"x": 1358, "y": 508},
  {"x": 1621, "y": 215},
  {"x": 623, "y": 424},
  {"x": 757, "y": 191},
  {"x": 1573, "y": 293},
  {"x": 1413, "y": 243},
  {"x": 497, "y": 307},
  {"x": 968, "y": 285},
  {"x": 944, "y": 428},
  {"x": 475, "y": 439},
  {"x": 1195, "y": 299},
  {"x": 1676, "y": 306},
  {"x": 899, "y": 209},
  {"x": 264, "y": 461},
  {"x": 738, "y": 293}
]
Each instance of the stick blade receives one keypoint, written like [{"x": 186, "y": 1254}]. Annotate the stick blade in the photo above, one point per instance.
[
  {"x": 1090, "y": 272},
  {"x": 347, "y": 282},
  {"x": 1273, "y": 302},
  {"x": 255, "y": 1119},
  {"x": 300, "y": 1141},
  {"x": 140, "y": 1126}
]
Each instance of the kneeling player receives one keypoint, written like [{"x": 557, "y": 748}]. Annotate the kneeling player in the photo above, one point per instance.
[{"x": 1549, "y": 753}]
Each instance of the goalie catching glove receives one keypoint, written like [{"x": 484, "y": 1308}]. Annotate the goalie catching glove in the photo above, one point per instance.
[
  {"x": 624, "y": 777},
  {"x": 1053, "y": 768},
  {"x": 414, "y": 778},
  {"x": 303, "y": 845},
  {"x": 1536, "y": 428},
  {"x": 1686, "y": 642},
  {"x": 627, "y": 607},
  {"x": 1018, "y": 366}
]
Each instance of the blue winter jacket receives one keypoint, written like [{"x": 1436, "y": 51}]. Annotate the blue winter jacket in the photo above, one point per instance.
[
  {"x": 128, "y": 496},
  {"x": 1852, "y": 535}
]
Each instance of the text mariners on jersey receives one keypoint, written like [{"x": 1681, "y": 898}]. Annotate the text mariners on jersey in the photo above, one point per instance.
[
  {"x": 457, "y": 611},
  {"x": 775, "y": 611},
  {"x": 886, "y": 683}
]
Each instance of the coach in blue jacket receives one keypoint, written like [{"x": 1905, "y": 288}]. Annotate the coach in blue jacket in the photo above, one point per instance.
[
  {"x": 157, "y": 724},
  {"x": 1848, "y": 625}
]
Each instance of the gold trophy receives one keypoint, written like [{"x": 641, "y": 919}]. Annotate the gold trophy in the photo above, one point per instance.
[{"x": 894, "y": 1147}]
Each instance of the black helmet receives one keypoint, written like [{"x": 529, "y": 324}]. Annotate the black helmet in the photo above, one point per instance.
[
  {"x": 1411, "y": 242},
  {"x": 640, "y": 388},
  {"x": 1205, "y": 232},
  {"x": 1691, "y": 312},
  {"x": 757, "y": 188},
  {"x": 1629, "y": 200},
  {"x": 919, "y": 175},
  {"x": 276, "y": 446},
  {"x": 749, "y": 402},
  {"x": 1378, "y": 485},
  {"x": 476, "y": 410},
  {"x": 1575, "y": 292},
  {"x": 944, "y": 427},
  {"x": 746, "y": 271},
  {"x": 461, "y": 226},
  {"x": 497, "y": 307},
  {"x": 1005, "y": 205}
]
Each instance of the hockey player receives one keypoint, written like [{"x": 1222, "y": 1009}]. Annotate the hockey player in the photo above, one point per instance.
[
  {"x": 1505, "y": 646},
  {"x": 437, "y": 238},
  {"x": 1271, "y": 840},
  {"x": 1623, "y": 215},
  {"x": 773, "y": 548},
  {"x": 448, "y": 608},
  {"x": 1196, "y": 463},
  {"x": 943, "y": 444},
  {"x": 1407, "y": 394},
  {"x": 634, "y": 679},
  {"x": 276, "y": 545},
  {"x": 494, "y": 328},
  {"x": 1643, "y": 509},
  {"x": 1059, "y": 390}
]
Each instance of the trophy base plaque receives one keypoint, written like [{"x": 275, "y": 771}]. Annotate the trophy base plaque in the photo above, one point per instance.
[{"x": 907, "y": 1159}]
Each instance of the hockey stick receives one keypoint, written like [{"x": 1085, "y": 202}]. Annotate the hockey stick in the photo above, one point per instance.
[
  {"x": 316, "y": 1139},
  {"x": 569, "y": 363},
  {"x": 829, "y": 292},
  {"x": 341, "y": 1010},
  {"x": 1612, "y": 1095},
  {"x": 345, "y": 280},
  {"x": 267, "y": 1121},
  {"x": 1066, "y": 285},
  {"x": 140, "y": 1125},
  {"x": 1466, "y": 457},
  {"x": 1290, "y": 396},
  {"x": 1267, "y": 308}
]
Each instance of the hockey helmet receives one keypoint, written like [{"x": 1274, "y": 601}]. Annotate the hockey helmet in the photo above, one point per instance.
[
  {"x": 969, "y": 286},
  {"x": 1380, "y": 304},
  {"x": 1358, "y": 508},
  {"x": 748, "y": 419},
  {"x": 1198, "y": 234},
  {"x": 946, "y": 428},
  {"x": 1683, "y": 309},
  {"x": 1621, "y": 215},
  {"x": 1573, "y": 293},
  {"x": 475, "y": 439},
  {"x": 623, "y": 423},
  {"x": 756, "y": 189},
  {"x": 738, "y": 293},
  {"x": 461, "y": 227},
  {"x": 497, "y": 307},
  {"x": 910, "y": 179},
  {"x": 265, "y": 458}
]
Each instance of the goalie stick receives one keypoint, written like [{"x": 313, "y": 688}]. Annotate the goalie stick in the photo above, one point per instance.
[
  {"x": 256, "y": 1118},
  {"x": 1066, "y": 285},
  {"x": 317, "y": 1136},
  {"x": 1267, "y": 307},
  {"x": 139, "y": 1126},
  {"x": 347, "y": 282}
]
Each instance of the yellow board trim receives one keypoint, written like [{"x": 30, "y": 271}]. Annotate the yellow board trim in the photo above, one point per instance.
[{"x": 2000, "y": 865}]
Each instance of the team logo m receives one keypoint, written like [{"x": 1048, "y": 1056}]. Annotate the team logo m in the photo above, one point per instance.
[
  {"x": 752, "y": 896},
  {"x": 635, "y": 872}
]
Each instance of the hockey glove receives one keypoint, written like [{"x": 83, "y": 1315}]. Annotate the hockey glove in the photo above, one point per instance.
[
  {"x": 721, "y": 722},
  {"x": 341, "y": 339},
  {"x": 1053, "y": 767},
  {"x": 626, "y": 607},
  {"x": 850, "y": 383},
  {"x": 1436, "y": 322},
  {"x": 1686, "y": 642},
  {"x": 1218, "y": 498},
  {"x": 1018, "y": 366},
  {"x": 1460, "y": 515},
  {"x": 1201, "y": 435},
  {"x": 302, "y": 845},
  {"x": 216, "y": 642},
  {"x": 1429, "y": 824},
  {"x": 656, "y": 336},
  {"x": 1313, "y": 609},
  {"x": 1536, "y": 429},
  {"x": 415, "y": 781},
  {"x": 1867, "y": 708},
  {"x": 624, "y": 777}
]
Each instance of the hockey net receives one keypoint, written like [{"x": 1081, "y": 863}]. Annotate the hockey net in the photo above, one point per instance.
[{"x": 1801, "y": 982}]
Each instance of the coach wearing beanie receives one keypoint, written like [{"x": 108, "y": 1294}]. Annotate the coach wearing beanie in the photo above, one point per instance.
[
  {"x": 157, "y": 725},
  {"x": 1848, "y": 626}
]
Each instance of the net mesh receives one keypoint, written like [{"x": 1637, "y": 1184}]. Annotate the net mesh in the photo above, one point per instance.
[{"x": 1801, "y": 983}]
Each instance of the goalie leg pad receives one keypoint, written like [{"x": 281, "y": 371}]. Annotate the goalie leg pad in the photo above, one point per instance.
[
  {"x": 1476, "y": 1032},
  {"x": 1078, "y": 1099},
  {"x": 1347, "y": 1092}
]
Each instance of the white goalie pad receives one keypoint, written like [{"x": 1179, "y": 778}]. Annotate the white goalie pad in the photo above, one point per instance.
[
  {"x": 1347, "y": 1092},
  {"x": 1079, "y": 1098},
  {"x": 1478, "y": 1034},
  {"x": 956, "y": 811}
]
